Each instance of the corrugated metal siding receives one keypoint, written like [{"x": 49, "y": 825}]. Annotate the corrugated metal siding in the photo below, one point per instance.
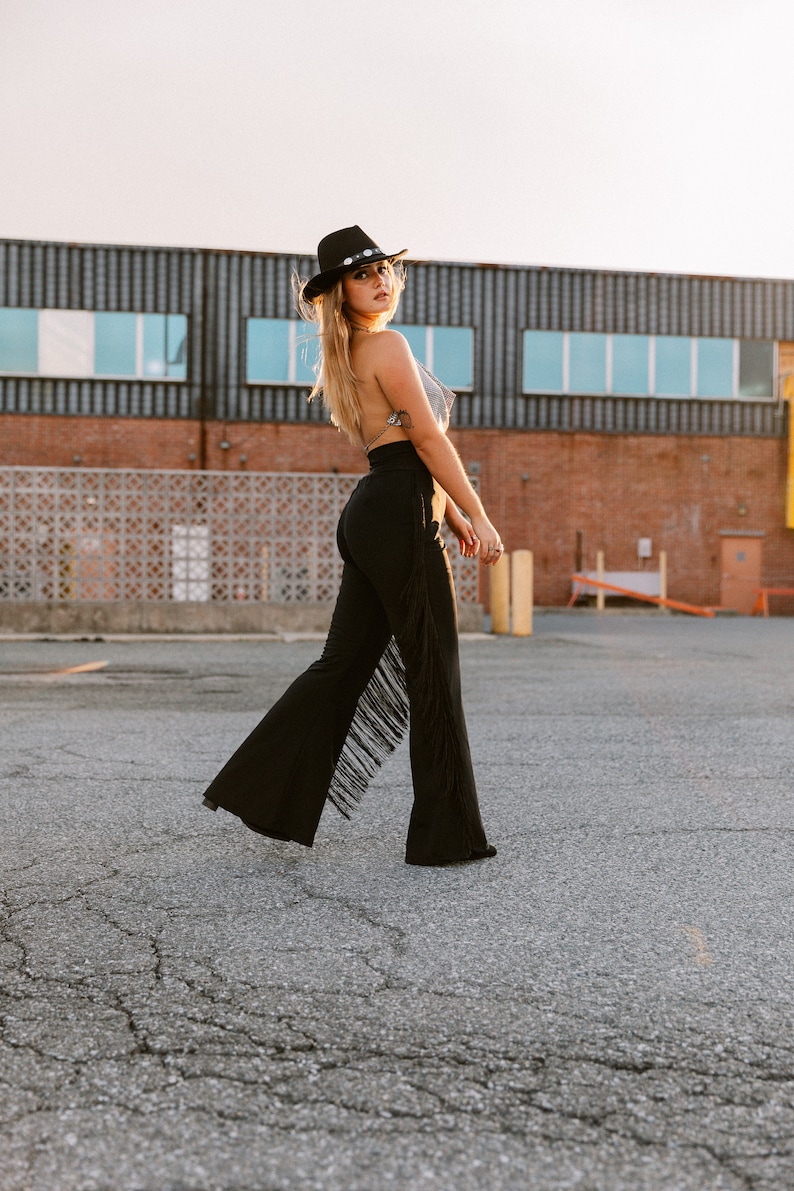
[
  {"x": 218, "y": 291},
  {"x": 642, "y": 415},
  {"x": 97, "y": 277},
  {"x": 137, "y": 399}
]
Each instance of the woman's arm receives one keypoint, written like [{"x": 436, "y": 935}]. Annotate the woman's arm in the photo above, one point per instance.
[
  {"x": 463, "y": 530},
  {"x": 398, "y": 376}
]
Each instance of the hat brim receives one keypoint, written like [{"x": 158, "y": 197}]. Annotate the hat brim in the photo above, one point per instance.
[{"x": 322, "y": 282}]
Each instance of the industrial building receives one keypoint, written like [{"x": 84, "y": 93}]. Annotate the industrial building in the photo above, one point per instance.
[{"x": 598, "y": 410}]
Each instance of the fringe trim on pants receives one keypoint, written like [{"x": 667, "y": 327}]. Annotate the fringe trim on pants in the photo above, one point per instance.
[{"x": 379, "y": 724}]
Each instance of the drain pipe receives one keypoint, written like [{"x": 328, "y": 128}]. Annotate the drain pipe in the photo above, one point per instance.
[{"x": 204, "y": 361}]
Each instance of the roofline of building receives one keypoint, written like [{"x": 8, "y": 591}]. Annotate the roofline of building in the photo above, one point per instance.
[{"x": 501, "y": 266}]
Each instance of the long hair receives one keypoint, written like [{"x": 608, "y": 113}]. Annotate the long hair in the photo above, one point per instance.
[{"x": 336, "y": 383}]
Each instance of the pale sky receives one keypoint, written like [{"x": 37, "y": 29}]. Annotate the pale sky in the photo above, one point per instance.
[{"x": 627, "y": 134}]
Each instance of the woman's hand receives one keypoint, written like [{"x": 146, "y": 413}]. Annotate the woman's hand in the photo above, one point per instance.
[
  {"x": 462, "y": 529},
  {"x": 487, "y": 541}
]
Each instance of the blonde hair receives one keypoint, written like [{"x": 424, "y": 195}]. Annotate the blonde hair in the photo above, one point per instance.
[{"x": 336, "y": 383}]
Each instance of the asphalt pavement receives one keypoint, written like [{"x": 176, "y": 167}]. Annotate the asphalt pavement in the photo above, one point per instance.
[{"x": 606, "y": 1005}]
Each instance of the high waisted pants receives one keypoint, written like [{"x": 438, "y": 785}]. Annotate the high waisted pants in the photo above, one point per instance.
[{"x": 332, "y": 728}]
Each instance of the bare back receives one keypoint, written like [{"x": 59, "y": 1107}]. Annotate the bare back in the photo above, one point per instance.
[{"x": 374, "y": 404}]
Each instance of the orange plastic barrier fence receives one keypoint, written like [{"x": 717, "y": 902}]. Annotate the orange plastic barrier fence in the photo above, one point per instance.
[
  {"x": 762, "y": 602},
  {"x": 583, "y": 581}
]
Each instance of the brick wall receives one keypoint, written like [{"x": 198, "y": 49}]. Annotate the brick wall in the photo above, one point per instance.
[
  {"x": 539, "y": 489},
  {"x": 35, "y": 441},
  {"x": 680, "y": 492}
]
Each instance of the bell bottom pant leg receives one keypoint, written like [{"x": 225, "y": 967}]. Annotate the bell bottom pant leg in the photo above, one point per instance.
[
  {"x": 445, "y": 822},
  {"x": 278, "y": 778}
]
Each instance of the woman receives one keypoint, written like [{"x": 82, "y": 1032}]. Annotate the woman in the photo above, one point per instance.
[{"x": 392, "y": 650}]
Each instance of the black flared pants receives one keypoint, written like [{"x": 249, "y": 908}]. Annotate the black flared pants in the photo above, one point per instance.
[{"x": 334, "y": 725}]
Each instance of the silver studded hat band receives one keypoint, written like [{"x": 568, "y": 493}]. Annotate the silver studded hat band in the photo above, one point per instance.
[
  {"x": 340, "y": 251},
  {"x": 359, "y": 256}
]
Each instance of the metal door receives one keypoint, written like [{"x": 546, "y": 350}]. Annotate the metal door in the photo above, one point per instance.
[{"x": 741, "y": 572}]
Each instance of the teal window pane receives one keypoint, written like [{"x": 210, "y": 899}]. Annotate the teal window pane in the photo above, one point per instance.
[
  {"x": 452, "y": 356},
  {"x": 715, "y": 368},
  {"x": 630, "y": 364},
  {"x": 587, "y": 363},
  {"x": 114, "y": 344},
  {"x": 19, "y": 340},
  {"x": 417, "y": 340},
  {"x": 543, "y": 361},
  {"x": 756, "y": 368},
  {"x": 267, "y": 349},
  {"x": 176, "y": 345},
  {"x": 155, "y": 361},
  {"x": 307, "y": 349},
  {"x": 673, "y": 366}
]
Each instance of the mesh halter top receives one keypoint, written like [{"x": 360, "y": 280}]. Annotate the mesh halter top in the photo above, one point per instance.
[{"x": 439, "y": 396}]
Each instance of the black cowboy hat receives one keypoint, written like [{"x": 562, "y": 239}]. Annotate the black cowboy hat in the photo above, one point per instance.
[{"x": 341, "y": 251}]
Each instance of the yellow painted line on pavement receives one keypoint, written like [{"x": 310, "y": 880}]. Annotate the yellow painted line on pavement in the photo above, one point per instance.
[
  {"x": 85, "y": 668},
  {"x": 45, "y": 672},
  {"x": 703, "y": 956}
]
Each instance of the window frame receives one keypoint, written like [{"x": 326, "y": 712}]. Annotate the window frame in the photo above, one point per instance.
[
  {"x": 608, "y": 391},
  {"x": 25, "y": 327},
  {"x": 52, "y": 315},
  {"x": 293, "y": 327},
  {"x": 429, "y": 361}
]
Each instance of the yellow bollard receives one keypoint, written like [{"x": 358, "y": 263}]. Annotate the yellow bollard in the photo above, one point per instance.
[
  {"x": 600, "y": 593},
  {"x": 500, "y": 595},
  {"x": 522, "y": 593},
  {"x": 788, "y": 392},
  {"x": 663, "y": 574}
]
